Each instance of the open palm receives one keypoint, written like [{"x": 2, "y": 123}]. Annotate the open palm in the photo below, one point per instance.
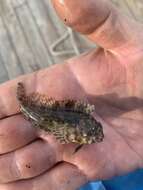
[{"x": 109, "y": 77}]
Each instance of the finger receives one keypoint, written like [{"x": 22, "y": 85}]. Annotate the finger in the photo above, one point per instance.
[
  {"x": 29, "y": 161},
  {"x": 100, "y": 21},
  {"x": 15, "y": 132},
  {"x": 62, "y": 177},
  {"x": 52, "y": 82}
]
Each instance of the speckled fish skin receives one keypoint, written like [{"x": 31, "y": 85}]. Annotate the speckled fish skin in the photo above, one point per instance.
[{"x": 70, "y": 121}]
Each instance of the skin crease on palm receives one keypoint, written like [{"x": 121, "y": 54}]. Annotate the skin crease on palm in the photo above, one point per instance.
[{"x": 109, "y": 77}]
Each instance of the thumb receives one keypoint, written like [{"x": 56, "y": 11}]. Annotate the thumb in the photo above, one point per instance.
[{"x": 101, "y": 22}]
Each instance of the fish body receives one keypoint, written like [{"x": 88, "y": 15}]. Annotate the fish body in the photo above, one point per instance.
[{"x": 70, "y": 121}]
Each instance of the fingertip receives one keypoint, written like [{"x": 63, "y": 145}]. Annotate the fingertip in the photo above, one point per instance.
[
  {"x": 82, "y": 15},
  {"x": 60, "y": 7},
  {"x": 62, "y": 177}
]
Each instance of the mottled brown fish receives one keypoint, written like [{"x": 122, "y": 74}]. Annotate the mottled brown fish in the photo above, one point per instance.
[{"x": 70, "y": 121}]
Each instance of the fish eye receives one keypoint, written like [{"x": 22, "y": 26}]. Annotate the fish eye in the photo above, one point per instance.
[
  {"x": 72, "y": 137},
  {"x": 84, "y": 134}
]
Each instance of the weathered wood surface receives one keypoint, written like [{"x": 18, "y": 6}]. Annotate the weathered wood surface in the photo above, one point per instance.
[{"x": 29, "y": 29}]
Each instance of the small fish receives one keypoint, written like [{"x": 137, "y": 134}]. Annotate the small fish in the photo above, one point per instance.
[{"x": 70, "y": 121}]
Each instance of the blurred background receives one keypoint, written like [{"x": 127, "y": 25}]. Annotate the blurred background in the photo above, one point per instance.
[{"x": 32, "y": 37}]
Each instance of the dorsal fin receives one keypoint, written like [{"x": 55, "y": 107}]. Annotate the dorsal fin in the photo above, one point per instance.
[{"x": 42, "y": 101}]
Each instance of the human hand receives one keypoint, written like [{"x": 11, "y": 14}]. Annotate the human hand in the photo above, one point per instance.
[{"x": 109, "y": 77}]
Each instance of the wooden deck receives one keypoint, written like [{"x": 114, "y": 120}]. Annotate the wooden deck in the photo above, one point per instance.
[{"x": 30, "y": 32}]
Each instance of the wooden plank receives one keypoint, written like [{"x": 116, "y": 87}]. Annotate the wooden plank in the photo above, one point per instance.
[
  {"x": 3, "y": 74},
  {"x": 17, "y": 3},
  {"x": 25, "y": 58},
  {"x": 133, "y": 8},
  {"x": 136, "y": 7},
  {"x": 51, "y": 27},
  {"x": 33, "y": 35},
  {"x": 9, "y": 61}
]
